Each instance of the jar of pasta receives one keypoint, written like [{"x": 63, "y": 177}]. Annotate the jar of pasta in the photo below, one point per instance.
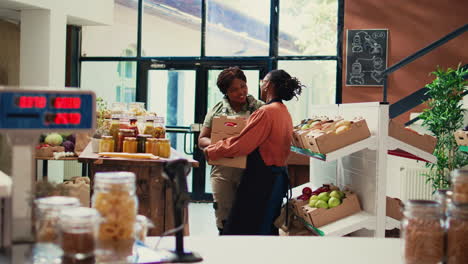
[
  {"x": 423, "y": 232},
  {"x": 129, "y": 145},
  {"x": 460, "y": 186},
  {"x": 159, "y": 128},
  {"x": 47, "y": 215},
  {"x": 106, "y": 144},
  {"x": 115, "y": 199},
  {"x": 164, "y": 147},
  {"x": 457, "y": 234},
  {"x": 123, "y": 133},
  {"x": 78, "y": 227},
  {"x": 151, "y": 146}
]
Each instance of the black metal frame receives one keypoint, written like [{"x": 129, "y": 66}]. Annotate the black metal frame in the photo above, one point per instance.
[{"x": 203, "y": 63}]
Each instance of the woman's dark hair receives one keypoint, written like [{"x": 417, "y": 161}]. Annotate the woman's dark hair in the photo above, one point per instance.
[
  {"x": 228, "y": 75},
  {"x": 286, "y": 87}
]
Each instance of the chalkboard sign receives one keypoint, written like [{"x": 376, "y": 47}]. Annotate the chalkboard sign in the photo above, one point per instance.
[{"x": 366, "y": 56}]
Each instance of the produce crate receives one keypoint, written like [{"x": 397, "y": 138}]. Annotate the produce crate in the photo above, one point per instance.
[
  {"x": 319, "y": 216},
  {"x": 426, "y": 143}
]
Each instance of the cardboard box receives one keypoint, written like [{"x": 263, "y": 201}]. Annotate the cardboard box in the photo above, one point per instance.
[
  {"x": 423, "y": 142},
  {"x": 47, "y": 152},
  {"x": 319, "y": 216},
  {"x": 297, "y": 207},
  {"x": 327, "y": 143},
  {"x": 461, "y": 137},
  {"x": 394, "y": 208},
  {"x": 224, "y": 127}
]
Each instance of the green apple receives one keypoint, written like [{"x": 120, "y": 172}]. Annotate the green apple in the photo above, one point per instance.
[
  {"x": 324, "y": 196},
  {"x": 306, "y": 126},
  {"x": 321, "y": 204},
  {"x": 335, "y": 194},
  {"x": 313, "y": 197},
  {"x": 333, "y": 202},
  {"x": 313, "y": 202}
]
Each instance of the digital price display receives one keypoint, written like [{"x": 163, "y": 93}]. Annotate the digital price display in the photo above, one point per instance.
[{"x": 27, "y": 109}]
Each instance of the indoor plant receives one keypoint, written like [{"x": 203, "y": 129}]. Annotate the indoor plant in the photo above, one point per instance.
[{"x": 443, "y": 117}]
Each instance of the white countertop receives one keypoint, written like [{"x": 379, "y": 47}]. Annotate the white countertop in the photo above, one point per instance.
[{"x": 287, "y": 250}]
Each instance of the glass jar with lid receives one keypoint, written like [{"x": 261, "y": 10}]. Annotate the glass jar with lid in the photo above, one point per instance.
[
  {"x": 129, "y": 145},
  {"x": 115, "y": 199},
  {"x": 443, "y": 197},
  {"x": 141, "y": 142},
  {"x": 460, "y": 186},
  {"x": 164, "y": 147},
  {"x": 123, "y": 133},
  {"x": 78, "y": 228},
  {"x": 151, "y": 146},
  {"x": 148, "y": 129},
  {"x": 106, "y": 144},
  {"x": 114, "y": 130},
  {"x": 159, "y": 128},
  {"x": 423, "y": 232},
  {"x": 47, "y": 214},
  {"x": 457, "y": 233}
]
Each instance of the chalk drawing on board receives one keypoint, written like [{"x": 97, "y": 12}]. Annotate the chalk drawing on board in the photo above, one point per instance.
[{"x": 366, "y": 57}]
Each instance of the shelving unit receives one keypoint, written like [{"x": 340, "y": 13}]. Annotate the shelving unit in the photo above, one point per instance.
[{"x": 362, "y": 166}]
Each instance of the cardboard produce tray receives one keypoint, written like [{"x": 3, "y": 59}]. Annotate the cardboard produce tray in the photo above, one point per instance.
[
  {"x": 461, "y": 137},
  {"x": 319, "y": 216},
  {"x": 425, "y": 143}
]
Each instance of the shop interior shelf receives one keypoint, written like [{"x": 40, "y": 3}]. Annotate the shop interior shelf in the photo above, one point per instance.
[
  {"x": 391, "y": 223},
  {"x": 369, "y": 142},
  {"x": 463, "y": 148},
  {"x": 349, "y": 224},
  {"x": 416, "y": 153}
]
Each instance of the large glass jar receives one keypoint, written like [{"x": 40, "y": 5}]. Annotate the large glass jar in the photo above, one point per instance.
[
  {"x": 78, "y": 228},
  {"x": 106, "y": 144},
  {"x": 460, "y": 186},
  {"x": 47, "y": 215},
  {"x": 149, "y": 127},
  {"x": 159, "y": 128},
  {"x": 114, "y": 131},
  {"x": 130, "y": 145},
  {"x": 443, "y": 197},
  {"x": 151, "y": 146},
  {"x": 457, "y": 234},
  {"x": 423, "y": 232},
  {"x": 164, "y": 148},
  {"x": 115, "y": 199},
  {"x": 123, "y": 133}
]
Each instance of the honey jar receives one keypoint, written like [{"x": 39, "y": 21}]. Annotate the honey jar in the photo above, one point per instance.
[
  {"x": 123, "y": 133},
  {"x": 164, "y": 147},
  {"x": 151, "y": 146},
  {"x": 130, "y": 145},
  {"x": 106, "y": 144}
]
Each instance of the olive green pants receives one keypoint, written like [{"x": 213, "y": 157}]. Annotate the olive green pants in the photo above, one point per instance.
[{"x": 224, "y": 183}]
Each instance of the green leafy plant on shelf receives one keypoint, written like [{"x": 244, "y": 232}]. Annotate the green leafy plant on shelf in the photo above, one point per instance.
[
  {"x": 101, "y": 111},
  {"x": 443, "y": 117}
]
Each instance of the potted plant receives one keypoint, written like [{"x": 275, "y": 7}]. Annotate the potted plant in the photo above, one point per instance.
[
  {"x": 443, "y": 117},
  {"x": 102, "y": 116}
]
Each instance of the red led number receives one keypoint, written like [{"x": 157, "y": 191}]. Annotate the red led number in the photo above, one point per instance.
[
  {"x": 67, "y": 102},
  {"x": 67, "y": 118},
  {"x": 32, "y": 102}
]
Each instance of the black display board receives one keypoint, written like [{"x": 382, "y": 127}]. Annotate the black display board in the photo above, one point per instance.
[{"x": 366, "y": 56}]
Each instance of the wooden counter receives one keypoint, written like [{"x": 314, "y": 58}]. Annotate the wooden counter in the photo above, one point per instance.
[{"x": 154, "y": 193}]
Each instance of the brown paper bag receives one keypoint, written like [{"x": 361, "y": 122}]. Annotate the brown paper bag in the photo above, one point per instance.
[{"x": 79, "y": 187}]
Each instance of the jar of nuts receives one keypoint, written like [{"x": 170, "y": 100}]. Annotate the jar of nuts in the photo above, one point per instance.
[
  {"x": 115, "y": 199},
  {"x": 457, "y": 234},
  {"x": 47, "y": 215},
  {"x": 460, "y": 186},
  {"x": 77, "y": 232},
  {"x": 423, "y": 232}
]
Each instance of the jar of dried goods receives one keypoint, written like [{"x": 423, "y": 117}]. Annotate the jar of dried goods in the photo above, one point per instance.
[
  {"x": 78, "y": 227},
  {"x": 159, "y": 128},
  {"x": 460, "y": 186},
  {"x": 115, "y": 199},
  {"x": 423, "y": 232},
  {"x": 47, "y": 216},
  {"x": 457, "y": 234}
]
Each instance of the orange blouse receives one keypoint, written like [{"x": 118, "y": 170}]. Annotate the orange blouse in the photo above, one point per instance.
[{"x": 269, "y": 129}]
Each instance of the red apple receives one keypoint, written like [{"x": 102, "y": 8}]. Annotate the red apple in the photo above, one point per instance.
[{"x": 307, "y": 191}]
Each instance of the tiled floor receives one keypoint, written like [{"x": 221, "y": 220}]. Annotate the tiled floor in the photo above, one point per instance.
[{"x": 202, "y": 220}]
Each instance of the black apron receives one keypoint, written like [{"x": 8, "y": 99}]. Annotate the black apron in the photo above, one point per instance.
[{"x": 258, "y": 199}]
